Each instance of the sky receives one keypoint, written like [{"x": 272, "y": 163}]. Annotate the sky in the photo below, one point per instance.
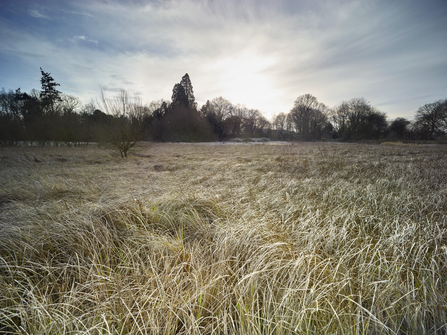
[{"x": 261, "y": 53}]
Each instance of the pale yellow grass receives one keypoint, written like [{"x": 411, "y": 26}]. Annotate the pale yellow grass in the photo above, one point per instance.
[{"x": 225, "y": 239}]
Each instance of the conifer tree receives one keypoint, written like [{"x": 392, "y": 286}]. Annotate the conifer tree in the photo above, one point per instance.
[
  {"x": 179, "y": 97},
  {"x": 49, "y": 95},
  {"x": 187, "y": 86}
]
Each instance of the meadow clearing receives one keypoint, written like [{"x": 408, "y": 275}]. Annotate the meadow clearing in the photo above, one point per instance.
[{"x": 300, "y": 238}]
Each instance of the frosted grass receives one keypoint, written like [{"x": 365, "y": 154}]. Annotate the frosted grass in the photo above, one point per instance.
[{"x": 248, "y": 239}]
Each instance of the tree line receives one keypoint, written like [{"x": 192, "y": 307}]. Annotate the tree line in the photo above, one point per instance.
[
  {"x": 50, "y": 117},
  {"x": 357, "y": 119}
]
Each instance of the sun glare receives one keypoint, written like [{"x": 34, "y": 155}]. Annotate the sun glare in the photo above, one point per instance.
[{"x": 245, "y": 79}]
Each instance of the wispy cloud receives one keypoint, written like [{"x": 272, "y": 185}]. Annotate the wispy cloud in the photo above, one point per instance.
[
  {"x": 262, "y": 53},
  {"x": 83, "y": 38},
  {"x": 38, "y": 12},
  {"x": 76, "y": 13}
]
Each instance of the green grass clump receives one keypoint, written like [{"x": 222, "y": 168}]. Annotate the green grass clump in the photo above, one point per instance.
[{"x": 228, "y": 239}]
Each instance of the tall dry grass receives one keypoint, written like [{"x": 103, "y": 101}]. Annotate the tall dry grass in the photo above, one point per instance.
[{"x": 225, "y": 239}]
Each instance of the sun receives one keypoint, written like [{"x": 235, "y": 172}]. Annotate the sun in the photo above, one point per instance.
[{"x": 244, "y": 79}]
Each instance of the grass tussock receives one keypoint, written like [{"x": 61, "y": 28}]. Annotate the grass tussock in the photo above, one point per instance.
[{"x": 226, "y": 239}]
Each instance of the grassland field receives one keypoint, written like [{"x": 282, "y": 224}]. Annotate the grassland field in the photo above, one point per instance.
[{"x": 298, "y": 238}]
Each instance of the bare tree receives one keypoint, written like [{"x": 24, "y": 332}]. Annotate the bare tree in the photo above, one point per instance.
[
  {"x": 11, "y": 125},
  {"x": 125, "y": 128},
  {"x": 432, "y": 118},
  {"x": 155, "y": 105},
  {"x": 221, "y": 107},
  {"x": 280, "y": 125},
  {"x": 356, "y": 119},
  {"x": 254, "y": 122},
  {"x": 68, "y": 125},
  {"x": 279, "y": 122},
  {"x": 234, "y": 121},
  {"x": 262, "y": 124},
  {"x": 339, "y": 117},
  {"x": 309, "y": 117},
  {"x": 250, "y": 121},
  {"x": 217, "y": 111}
]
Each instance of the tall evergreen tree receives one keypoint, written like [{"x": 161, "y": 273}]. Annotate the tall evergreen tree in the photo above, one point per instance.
[
  {"x": 187, "y": 86},
  {"x": 49, "y": 95},
  {"x": 179, "y": 97}
]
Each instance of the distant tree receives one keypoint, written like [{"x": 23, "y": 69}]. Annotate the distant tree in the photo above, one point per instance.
[
  {"x": 87, "y": 127},
  {"x": 250, "y": 121},
  {"x": 289, "y": 123},
  {"x": 152, "y": 113},
  {"x": 124, "y": 128},
  {"x": 187, "y": 86},
  {"x": 205, "y": 109},
  {"x": 101, "y": 117},
  {"x": 89, "y": 107},
  {"x": 229, "y": 120},
  {"x": 375, "y": 125},
  {"x": 69, "y": 125},
  {"x": 356, "y": 119},
  {"x": 49, "y": 95},
  {"x": 254, "y": 123},
  {"x": 179, "y": 97},
  {"x": 279, "y": 124},
  {"x": 157, "y": 108},
  {"x": 431, "y": 119},
  {"x": 339, "y": 117},
  {"x": 153, "y": 124},
  {"x": 216, "y": 112},
  {"x": 235, "y": 119},
  {"x": 161, "y": 110},
  {"x": 208, "y": 114},
  {"x": 33, "y": 120},
  {"x": 184, "y": 124},
  {"x": 262, "y": 125},
  {"x": 308, "y": 117},
  {"x": 221, "y": 107},
  {"x": 398, "y": 128},
  {"x": 11, "y": 126}
]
